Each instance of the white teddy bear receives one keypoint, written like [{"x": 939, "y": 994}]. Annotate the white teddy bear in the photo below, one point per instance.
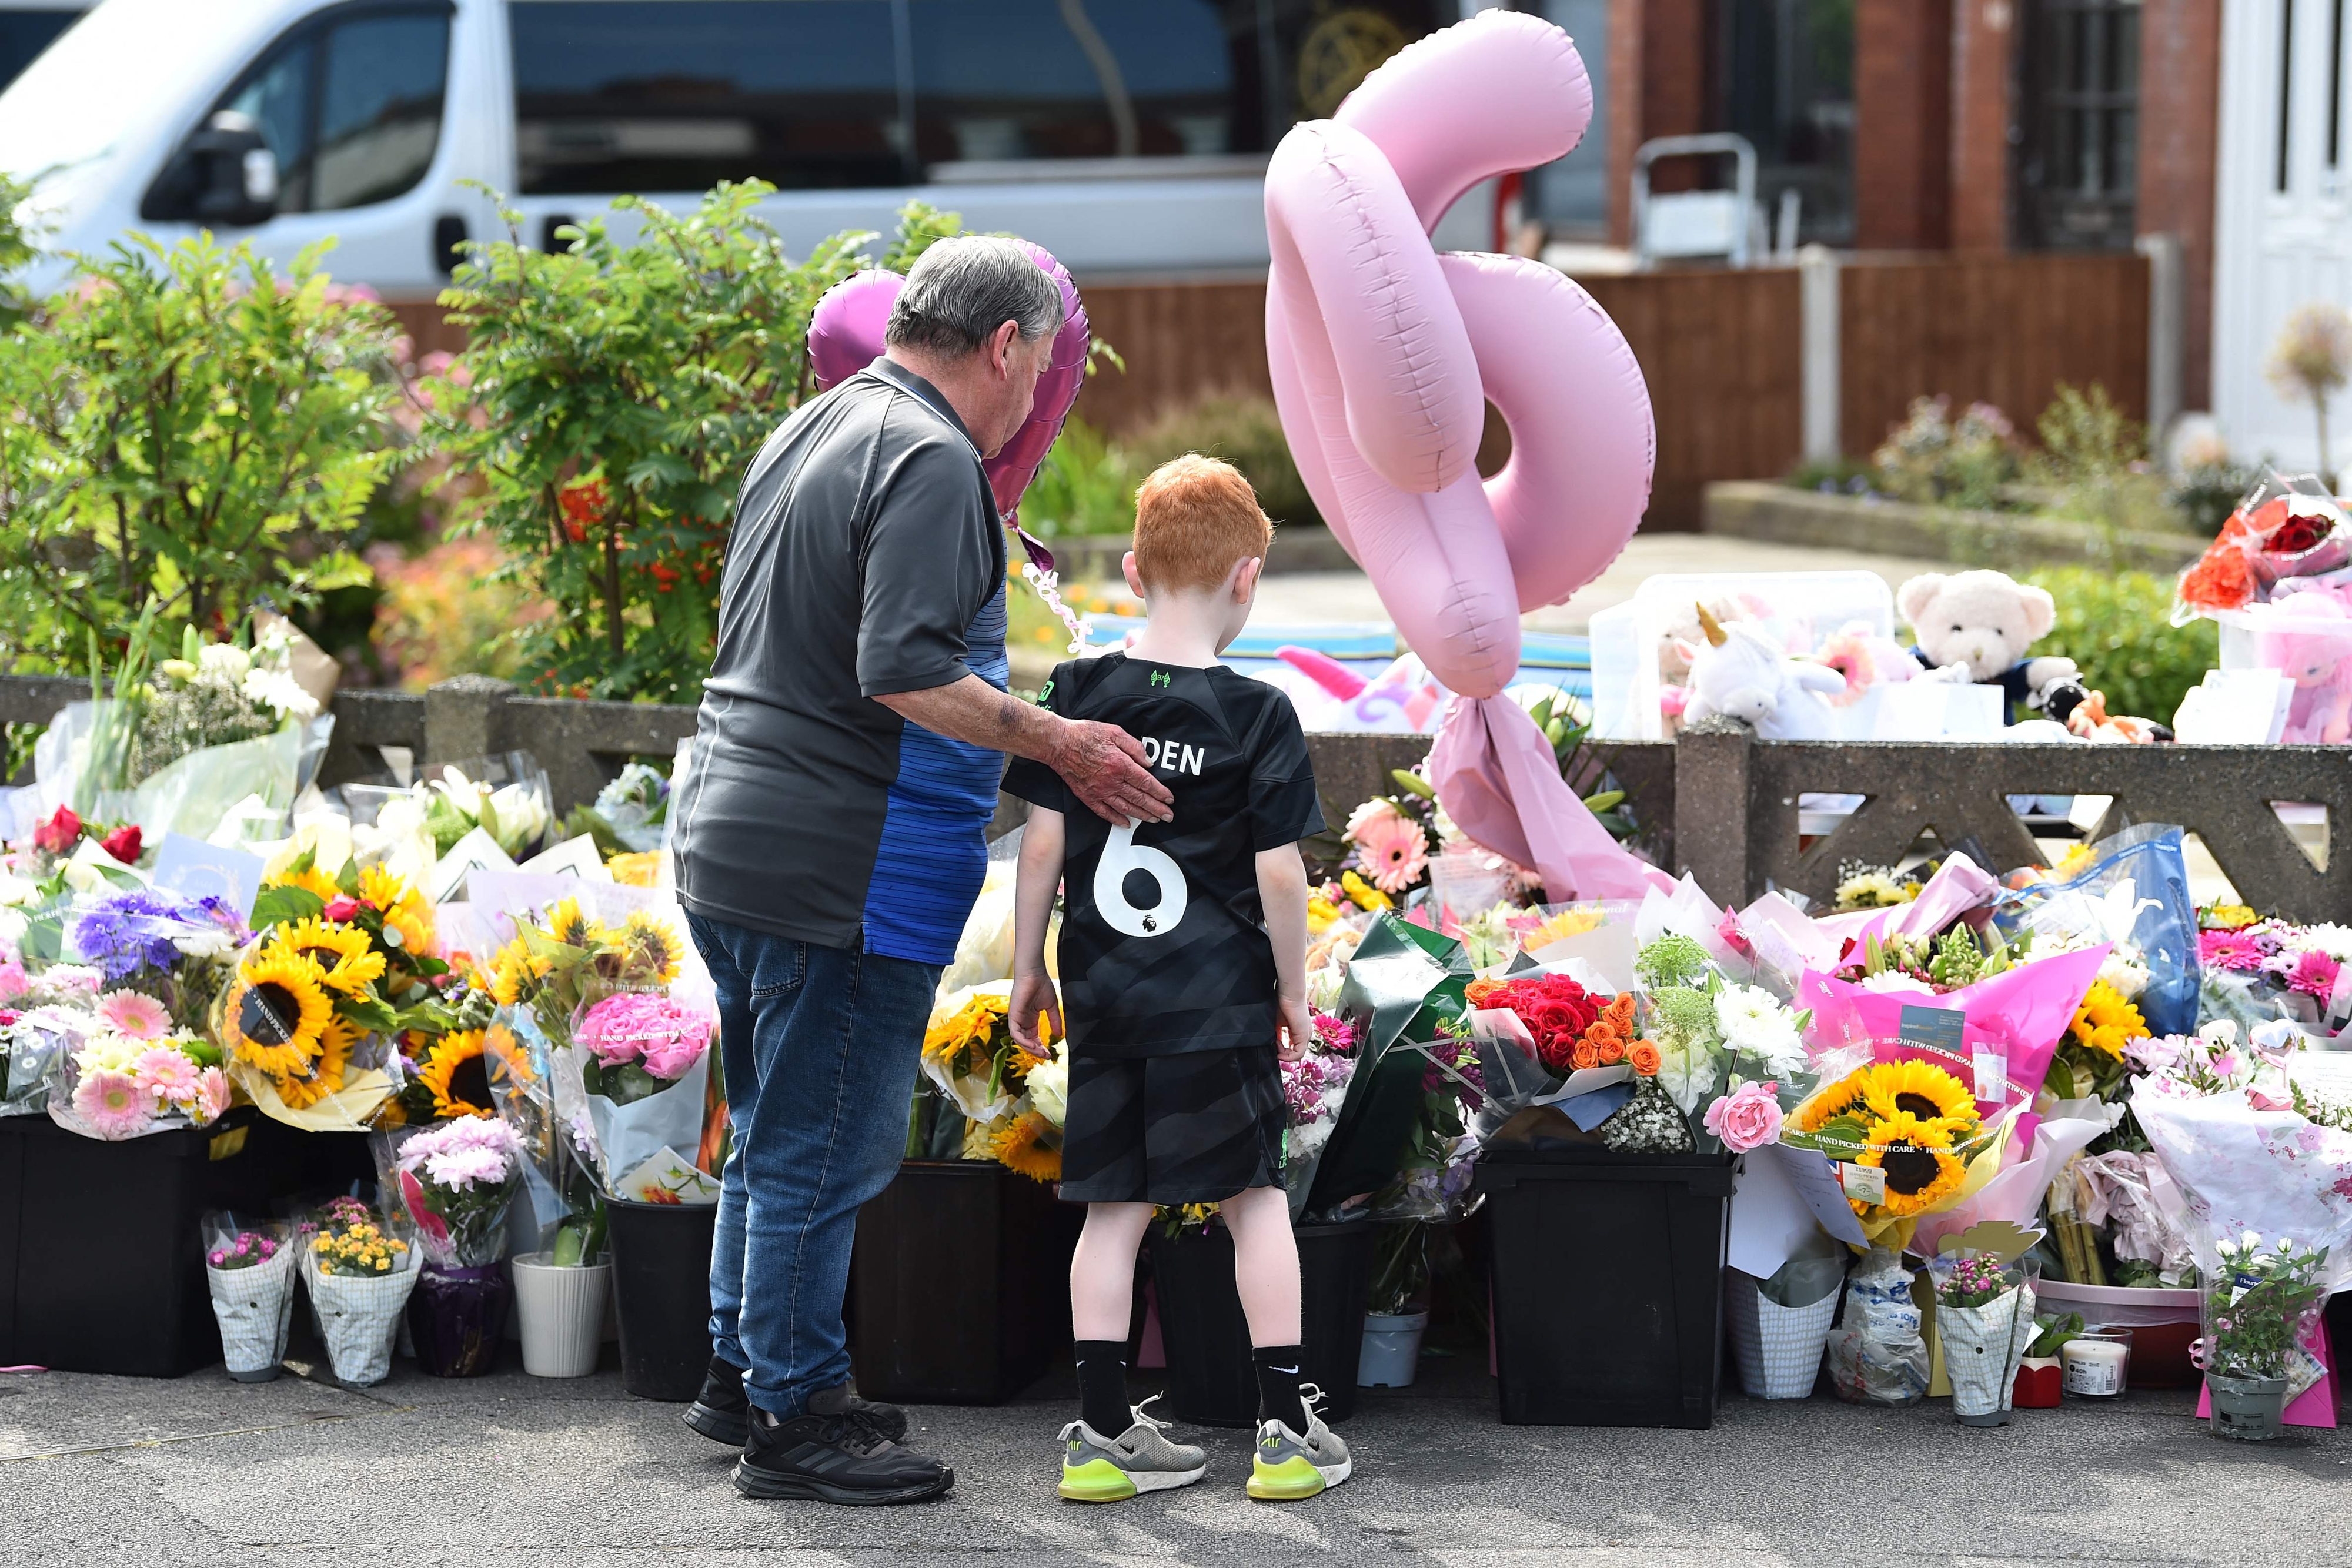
[
  {"x": 1977, "y": 625},
  {"x": 1740, "y": 672}
]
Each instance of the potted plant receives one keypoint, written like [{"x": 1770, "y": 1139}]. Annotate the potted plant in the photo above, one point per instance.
[
  {"x": 457, "y": 1181},
  {"x": 250, "y": 1272},
  {"x": 2041, "y": 1375},
  {"x": 1984, "y": 1318},
  {"x": 359, "y": 1276},
  {"x": 560, "y": 1293},
  {"x": 1396, "y": 1313},
  {"x": 2259, "y": 1305}
]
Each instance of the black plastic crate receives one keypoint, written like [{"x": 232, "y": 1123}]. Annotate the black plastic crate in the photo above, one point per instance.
[
  {"x": 959, "y": 1284},
  {"x": 1608, "y": 1285},
  {"x": 1211, "y": 1379}
]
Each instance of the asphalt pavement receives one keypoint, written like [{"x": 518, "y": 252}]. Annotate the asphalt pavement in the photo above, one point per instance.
[{"x": 514, "y": 1469}]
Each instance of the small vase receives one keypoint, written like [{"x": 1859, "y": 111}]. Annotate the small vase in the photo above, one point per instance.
[
  {"x": 562, "y": 1314},
  {"x": 1391, "y": 1349},
  {"x": 458, "y": 1318},
  {"x": 2247, "y": 1408},
  {"x": 253, "y": 1307},
  {"x": 2040, "y": 1379}
]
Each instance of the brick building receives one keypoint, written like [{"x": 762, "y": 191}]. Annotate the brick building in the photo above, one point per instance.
[{"x": 1964, "y": 125}]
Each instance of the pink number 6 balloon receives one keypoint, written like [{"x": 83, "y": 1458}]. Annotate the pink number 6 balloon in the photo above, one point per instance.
[
  {"x": 845, "y": 336},
  {"x": 1384, "y": 355}
]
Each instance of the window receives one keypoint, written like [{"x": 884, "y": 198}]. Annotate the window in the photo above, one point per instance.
[
  {"x": 24, "y": 34},
  {"x": 677, "y": 95},
  {"x": 350, "y": 103},
  {"x": 2079, "y": 163},
  {"x": 1784, "y": 79}
]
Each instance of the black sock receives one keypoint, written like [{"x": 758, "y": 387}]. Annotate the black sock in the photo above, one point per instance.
[
  {"x": 1102, "y": 1386},
  {"x": 1279, "y": 1366}
]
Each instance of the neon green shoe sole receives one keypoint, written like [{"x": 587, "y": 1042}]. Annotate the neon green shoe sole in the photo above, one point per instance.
[
  {"x": 1294, "y": 1478},
  {"x": 1096, "y": 1480}
]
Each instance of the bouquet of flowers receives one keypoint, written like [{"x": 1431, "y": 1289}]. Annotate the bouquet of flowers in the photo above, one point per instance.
[
  {"x": 2255, "y": 970},
  {"x": 184, "y": 741},
  {"x": 631, "y": 811},
  {"x": 1908, "y": 1137},
  {"x": 1984, "y": 1321},
  {"x": 2129, "y": 895},
  {"x": 2287, "y": 528},
  {"x": 506, "y": 797},
  {"x": 1313, "y": 1089},
  {"x": 1549, "y": 1043},
  {"x": 339, "y": 966},
  {"x": 456, "y": 1182},
  {"x": 359, "y": 1276},
  {"x": 983, "y": 1094},
  {"x": 65, "y": 851},
  {"x": 250, "y": 1271},
  {"x": 132, "y": 1076},
  {"x": 2261, "y": 1303}
]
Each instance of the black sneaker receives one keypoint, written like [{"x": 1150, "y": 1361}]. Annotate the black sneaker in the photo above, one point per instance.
[
  {"x": 721, "y": 1412},
  {"x": 841, "y": 1458}
]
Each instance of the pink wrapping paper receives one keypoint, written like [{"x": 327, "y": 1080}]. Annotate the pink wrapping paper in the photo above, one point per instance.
[
  {"x": 2315, "y": 1406},
  {"x": 1497, "y": 778},
  {"x": 1958, "y": 885},
  {"x": 2024, "y": 1012}
]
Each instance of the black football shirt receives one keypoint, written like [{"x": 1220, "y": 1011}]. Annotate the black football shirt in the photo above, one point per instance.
[{"x": 1163, "y": 945}]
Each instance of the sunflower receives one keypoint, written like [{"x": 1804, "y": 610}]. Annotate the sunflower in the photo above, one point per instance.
[
  {"x": 315, "y": 1080},
  {"x": 571, "y": 925},
  {"x": 344, "y": 952},
  {"x": 454, "y": 1070},
  {"x": 277, "y": 1011},
  {"x": 1916, "y": 1155},
  {"x": 1029, "y": 1145},
  {"x": 649, "y": 949},
  {"x": 515, "y": 973},
  {"x": 1829, "y": 1105},
  {"x": 386, "y": 888},
  {"x": 2105, "y": 1021},
  {"x": 309, "y": 879},
  {"x": 1920, "y": 1089},
  {"x": 412, "y": 923}
]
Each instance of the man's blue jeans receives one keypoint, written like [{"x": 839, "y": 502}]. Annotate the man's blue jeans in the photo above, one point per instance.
[{"x": 820, "y": 1047}]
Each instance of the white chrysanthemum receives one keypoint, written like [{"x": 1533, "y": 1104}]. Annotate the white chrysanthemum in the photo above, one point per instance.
[
  {"x": 225, "y": 660},
  {"x": 204, "y": 942},
  {"x": 1888, "y": 980},
  {"x": 2327, "y": 938},
  {"x": 280, "y": 692},
  {"x": 1756, "y": 1025},
  {"x": 2128, "y": 978}
]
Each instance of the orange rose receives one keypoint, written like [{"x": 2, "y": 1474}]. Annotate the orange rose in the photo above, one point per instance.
[
  {"x": 1645, "y": 1057},
  {"x": 1585, "y": 1055},
  {"x": 1478, "y": 991},
  {"x": 1613, "y": 1050}
]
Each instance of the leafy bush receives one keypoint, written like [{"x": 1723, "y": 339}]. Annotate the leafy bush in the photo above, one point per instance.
[
  {"x": 450, "y": 611},
  {"x": 2094, "y": 463},
  {"x": 1933, "y": 459},
  {"x": 1246, "y": 432},
  {"x": 1835, "y": 476},
  {"x": 16, "y": 249},
  {"x": 2207, "y": 492},
  {"x": 610, "y": 398},
  {"x": 2115, "y": 625},
  {"x": 183, "y": 423},
  {"x": 1085, "y": 485}
]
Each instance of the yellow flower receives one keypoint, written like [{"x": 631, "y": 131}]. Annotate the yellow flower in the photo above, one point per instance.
[
  {"x": 571, "y": 925},
  {"x": 385, "y": 888},
  {"x": 1920, "y": 1088},
  {"x": 2227, "y": 916},
  {"x": 1320, "y": 912},
  {"x": 1921, "y": 1169},
  {"x": 276, "y": 1011},
  {"x": 2105, "y": 1021},
  {"x": 316, "y": 1079},
  {"x": 454, "y": 1071},
  {"x": 515, "y": 973},
  {"x": 650, "y": 950},
  {"x": 1366, "y": 895},
  {"x": 1028, "y": 1144},
  {"x": 636, "y": 868},
  {"x": 1568, "y": 923},
  {"x": 344, "y": 952},
  {"x": 311, "y": 879},
  {"x": 413, "y": 923}
]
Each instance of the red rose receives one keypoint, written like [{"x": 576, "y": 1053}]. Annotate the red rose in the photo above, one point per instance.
[
  {"x": 1555, "y": 1016},
  {"x": 343, "y": 908},
  {"x": 59, "y": 833},
  {"x": 2296, "y": 535},
  {"x": 122, "y": 844}
]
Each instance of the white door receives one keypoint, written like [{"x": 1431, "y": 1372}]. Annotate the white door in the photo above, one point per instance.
[
  {"x": 2282, "y": 233},
  {"x": 376, "y": 112}
]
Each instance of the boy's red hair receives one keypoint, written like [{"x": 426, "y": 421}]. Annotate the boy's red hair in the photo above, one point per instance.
[{"x": 1194, "y": 518}]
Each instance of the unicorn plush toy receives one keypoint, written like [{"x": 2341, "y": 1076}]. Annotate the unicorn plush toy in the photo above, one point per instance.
[{"x": 1739, "y": 673}]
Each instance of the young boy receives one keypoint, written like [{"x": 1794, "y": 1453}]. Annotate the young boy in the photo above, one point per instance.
[{"x": 1183, "y": 958}]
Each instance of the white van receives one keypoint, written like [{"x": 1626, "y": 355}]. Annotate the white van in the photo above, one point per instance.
[{"x": 1128, "y": 137}]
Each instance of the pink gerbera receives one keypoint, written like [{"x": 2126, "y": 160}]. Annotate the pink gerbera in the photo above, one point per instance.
[
  {"x": 134, "y": 1014},
  {"x": 168, "y": 1073},
  {"x": 2313, "y": 973},
  {"x": 1395, "y": 852},
  {"x": 211, "y": 1096},
  {"x": 113, "y": 1103},
  {"x": 2227, "y": 950},
  {"x": 13, "y": 981}
]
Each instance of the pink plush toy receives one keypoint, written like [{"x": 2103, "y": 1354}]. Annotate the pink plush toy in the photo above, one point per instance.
[{"x": 2318, "y": 660}]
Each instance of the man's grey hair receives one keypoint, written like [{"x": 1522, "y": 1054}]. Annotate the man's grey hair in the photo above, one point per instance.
[{"x": 962, "y": 289}]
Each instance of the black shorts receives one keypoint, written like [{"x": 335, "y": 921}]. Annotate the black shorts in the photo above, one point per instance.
[{"x": 1197, "y": 1127}]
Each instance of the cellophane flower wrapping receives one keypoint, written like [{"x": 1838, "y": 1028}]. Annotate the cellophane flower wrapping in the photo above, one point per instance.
[
  {"x": 457, "y": 1181},
  {"x": 2133, "y": 898},
  {"x": 2259, "y": 1306},
  {"x": 2287, "y": 526},
  {"x": 249, "y": 1268},
  {"x": 358, "y": 1314},
  {"x": 1313, "y": 1089},
  {"x": 1983, "y": 1335},
  {"x": 1878, "y": 1354}
]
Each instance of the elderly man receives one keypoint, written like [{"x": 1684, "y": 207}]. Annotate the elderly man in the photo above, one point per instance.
[{"x": 829, "y": 837}]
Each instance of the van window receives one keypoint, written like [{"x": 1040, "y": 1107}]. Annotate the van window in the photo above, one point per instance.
[
  {"x": 350, "y": 105},
  {"x": 677, "y": 95},
  {"x": 24, "y": 34}
]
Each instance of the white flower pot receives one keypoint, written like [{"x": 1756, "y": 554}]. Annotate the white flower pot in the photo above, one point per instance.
[
  {"x": 1777, "y": 1349},
  {"x": 253, "y": 1307},
  {"x": 359, "y": 1317},
  {"x": 562, "y": 1315},
  {"x": 1391, "y": 1349}
]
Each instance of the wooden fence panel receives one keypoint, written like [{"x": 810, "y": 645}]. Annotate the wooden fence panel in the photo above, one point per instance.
[
  {"x": 1181, "y": 341},
  {"x": 2002, "y": 330}
]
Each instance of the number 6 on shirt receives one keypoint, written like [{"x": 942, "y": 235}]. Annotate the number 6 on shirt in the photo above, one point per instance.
[{"x": 1122, "y": 854}]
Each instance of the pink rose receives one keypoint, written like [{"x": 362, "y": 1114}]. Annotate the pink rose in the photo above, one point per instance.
[
  {"x": 13, "y": 981},
  {"x": 648, "y": 1028},
  {"x": 1747, "y": 1118}
]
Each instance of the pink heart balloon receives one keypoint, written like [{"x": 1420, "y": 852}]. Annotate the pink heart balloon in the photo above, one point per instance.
[{"x": 845, "y": 336}]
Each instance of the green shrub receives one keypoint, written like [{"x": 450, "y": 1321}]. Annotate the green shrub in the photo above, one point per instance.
[
  {"x": 185, "y": 424},
  {"x": 1933, "y": 459},
  {"x": 608, "y": 402},
  {"x": 1085, "y": 485},
  {"x": 1246, "y": 432},
  {"x": 1835, "y": 475},
  {"x": 2115, "y": 625}
]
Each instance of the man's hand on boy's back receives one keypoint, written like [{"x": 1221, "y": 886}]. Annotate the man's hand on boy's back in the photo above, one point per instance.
[{"x": 1107, "y": 769}]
